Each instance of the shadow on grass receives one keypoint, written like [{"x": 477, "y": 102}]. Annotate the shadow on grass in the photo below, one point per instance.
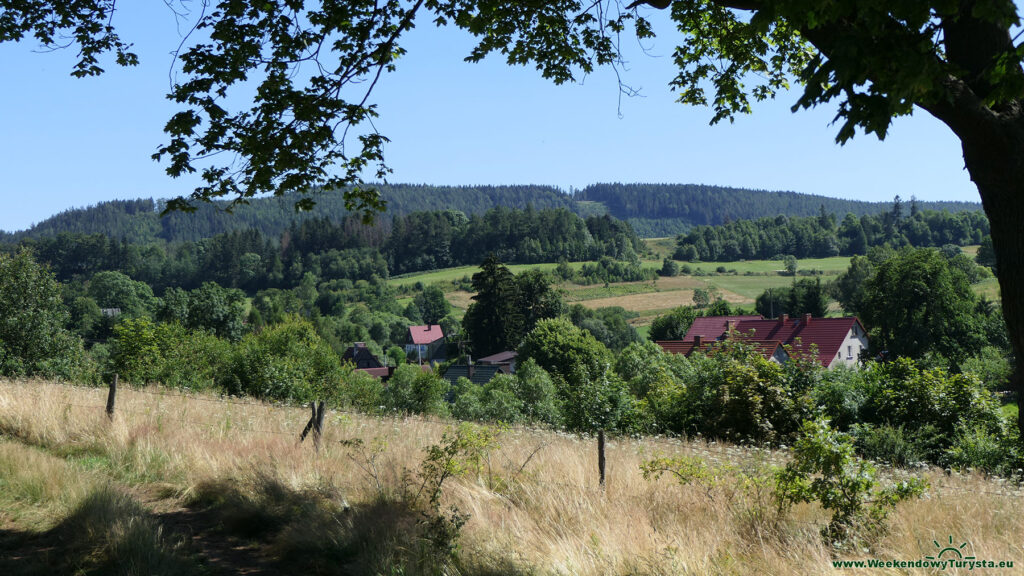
[
  {"x": 107, "y": 533},
  {"x": 256, "y": 527},
  {"x": 315, "y": 531}
]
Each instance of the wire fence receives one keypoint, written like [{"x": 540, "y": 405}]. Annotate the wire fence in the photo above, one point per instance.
[{"x": 1014, "y": 490}]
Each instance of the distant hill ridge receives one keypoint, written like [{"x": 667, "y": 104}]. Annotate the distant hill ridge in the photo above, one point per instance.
[
  {"x": 139, "y": 220},
  {"x": 652, "y": 209},
  {"x": 667, "y": 209}
]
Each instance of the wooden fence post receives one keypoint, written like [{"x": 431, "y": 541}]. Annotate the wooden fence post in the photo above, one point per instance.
[
  {"x": 318, "y": 428},
  {"x": 600, "y": 455},
  {"x": 309, "y": 425},
  {"x": 111, "y": 398}
]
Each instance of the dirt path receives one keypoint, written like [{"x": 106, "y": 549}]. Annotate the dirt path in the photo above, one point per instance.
[{"x": 204, "y": 538}]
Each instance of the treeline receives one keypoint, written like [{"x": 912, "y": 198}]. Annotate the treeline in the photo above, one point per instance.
[
  {"x": 140, "y": 220},
  {"x": 431, "y": 240},
  {"x": 821, "y": 237},
  {"x": 346, "y": 250},
  {"x": 700, "y": 204}
]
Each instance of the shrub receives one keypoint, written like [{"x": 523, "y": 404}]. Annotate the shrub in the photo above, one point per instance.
[
  {"x": 840, "y": 396},
  {"x": 412, "y": 390},
  {"x": 669, "y": 267},
  {"x": 538, "y": 393},
  {"x": 991, "y": 366},
  {"x": 286, "y": 361},
  {"x": 825, "y": 470},
  {"x": 978, "y": 448},
  {"x": 898, "y": 446},
  {"x": 466, "y": 403},
  {"x": 740, "y": 395},
  {"x": 359, "y": 390},
  {"x": 902, "y": 394},
  {"x": 500, "y": 400}
]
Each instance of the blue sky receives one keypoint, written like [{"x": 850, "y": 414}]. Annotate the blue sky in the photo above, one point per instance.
[{"x": 66, "y": 142}]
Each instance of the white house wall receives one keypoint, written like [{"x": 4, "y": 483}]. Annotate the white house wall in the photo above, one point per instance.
[{"x": 849, "y": 353}]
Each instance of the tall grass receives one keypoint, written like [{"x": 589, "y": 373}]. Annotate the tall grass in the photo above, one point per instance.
[{"x": 535, "y": 505}]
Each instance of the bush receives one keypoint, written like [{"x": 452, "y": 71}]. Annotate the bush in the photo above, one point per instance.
[
  {"x": 538, "y": 393},
  {"x": 466, "y": 403},
  {"x": 359, "y": 390},
  {"x": 977, "y": 448},
  {"x": 288, "y": 361},
  {"x": 825, "y": 470},
  {"x": 840, "y": 396},
  {"x": 143, "y": 352},
  {"x": 412, "y": 390},
  {"x": 740, "y": 395},
  {"x": 991, "y": 366},
  {"x": 900, "y": 393},
  {"x": 897, "y": 446}
]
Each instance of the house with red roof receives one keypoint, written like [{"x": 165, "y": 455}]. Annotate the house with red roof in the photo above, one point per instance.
[
  {"x": 772, "y": 350},
  {"x": 833, "y": 341},
  {"x": 425, "y": 344}
]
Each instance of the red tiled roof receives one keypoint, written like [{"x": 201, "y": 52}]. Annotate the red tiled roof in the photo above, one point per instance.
[
  {"x": 712, "y": 327},
  {"x": 827, "y": 334},
  {"x": 766, "y": 348},
  {"x": 677, "y": 346},
  {"x": 425, "y": 334}
]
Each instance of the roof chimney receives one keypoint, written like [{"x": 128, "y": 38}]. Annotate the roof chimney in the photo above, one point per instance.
[
  {"x": 783, "y": 319},
  {"x": 807, "y": 318},
  {"x": 697, "y": 340},
  {"x": 730, "y": 325}
]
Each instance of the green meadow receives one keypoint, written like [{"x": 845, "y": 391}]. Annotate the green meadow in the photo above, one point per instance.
[{"x": 740, "y": 284}]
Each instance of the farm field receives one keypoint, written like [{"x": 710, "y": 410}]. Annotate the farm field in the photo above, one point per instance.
[
  {"x": 194, "y": 484},
  {"x": 740, "y": 286},
  {"x": 649, "y": 298}
]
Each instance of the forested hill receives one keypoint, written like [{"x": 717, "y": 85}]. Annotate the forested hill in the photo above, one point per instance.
[
  {"x": 651, "y": 209},
  {"x": 668, "y": 209},
  {"x": 139, "y": 220}
]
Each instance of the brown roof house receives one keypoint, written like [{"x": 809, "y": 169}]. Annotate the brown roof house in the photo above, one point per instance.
[
  {"x": 506, "y": 359},
  {"x": 772, "y": 350},
  {"x": 365, "y": 361},
  {"x": 425, "y": 344},
  {"x": 834, "y": 341}
]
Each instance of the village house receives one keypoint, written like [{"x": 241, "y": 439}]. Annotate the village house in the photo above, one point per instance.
[
  {"x": 364, "y": 361},
  {"x": 425, "y": 344},
  {"x": 506, "y": 360},
  {"x": 479, "y": 374},
  {"x": 834, "y": 341}
]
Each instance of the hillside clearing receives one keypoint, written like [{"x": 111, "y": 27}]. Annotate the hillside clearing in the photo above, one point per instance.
[{"x": 534, "y": 508}]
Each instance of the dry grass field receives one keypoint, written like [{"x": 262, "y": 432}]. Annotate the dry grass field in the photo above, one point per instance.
[{"x": 182, "y": 485}]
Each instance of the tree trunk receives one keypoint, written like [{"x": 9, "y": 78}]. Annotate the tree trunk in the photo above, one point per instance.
[
  {"x": 600, "y": 456},
  {"x": 995, "y": 159}
]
